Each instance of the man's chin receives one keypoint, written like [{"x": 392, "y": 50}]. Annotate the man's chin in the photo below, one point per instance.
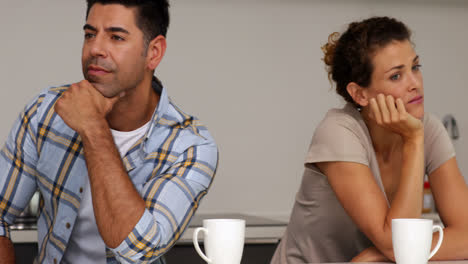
[{"x": 105, "y": 90}]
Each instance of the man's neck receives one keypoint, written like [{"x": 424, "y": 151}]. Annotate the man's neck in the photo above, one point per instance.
[{"x": 135, "y": 108}]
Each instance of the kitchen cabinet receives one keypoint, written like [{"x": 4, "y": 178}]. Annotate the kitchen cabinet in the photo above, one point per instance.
[{"x": 261, "y": 237}]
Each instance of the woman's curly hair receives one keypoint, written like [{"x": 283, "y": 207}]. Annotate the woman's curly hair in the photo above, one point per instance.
[{"x": 348, "y": 57}]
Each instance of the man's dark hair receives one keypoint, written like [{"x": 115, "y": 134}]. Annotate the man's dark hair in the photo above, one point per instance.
[{"x": 152, "y": 15}]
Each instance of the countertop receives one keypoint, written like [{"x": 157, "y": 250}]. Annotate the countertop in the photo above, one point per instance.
[
  {"x": 431, "y": 262},
  {"x": 259, "y": 230}
]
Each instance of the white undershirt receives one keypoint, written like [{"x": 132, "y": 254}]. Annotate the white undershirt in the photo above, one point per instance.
[{"x": 86, "y": 244}]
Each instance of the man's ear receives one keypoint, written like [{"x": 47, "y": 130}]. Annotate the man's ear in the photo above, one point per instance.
[
  {"x": 156, "y": 51},
  {"x": 358, "y": 93}
]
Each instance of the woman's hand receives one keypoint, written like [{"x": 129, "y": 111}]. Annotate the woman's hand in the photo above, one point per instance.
[
  {"x": 391, "y": 114},
  {"x": 371, "y": 254}
]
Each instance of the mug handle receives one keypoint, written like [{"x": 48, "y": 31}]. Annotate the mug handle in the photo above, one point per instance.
[
  {"x": 197, "y": 247},
  {"x": 441, "y": 237}
]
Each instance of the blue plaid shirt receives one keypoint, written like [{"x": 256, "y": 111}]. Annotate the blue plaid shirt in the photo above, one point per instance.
[{"x": 172, "y": 167}]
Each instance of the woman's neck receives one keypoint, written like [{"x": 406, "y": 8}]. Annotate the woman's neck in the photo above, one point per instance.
[{"x": 386, "y": 143}]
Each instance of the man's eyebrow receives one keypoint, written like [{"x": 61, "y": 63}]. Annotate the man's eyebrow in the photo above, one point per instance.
[
  {"x": 109, "y": 29},
  {"x": 89, "y": 27},
  {"x": 117, "y": 29}
]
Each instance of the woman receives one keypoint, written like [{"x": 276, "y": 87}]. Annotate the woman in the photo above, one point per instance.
[{"x": 367, "y": 161}]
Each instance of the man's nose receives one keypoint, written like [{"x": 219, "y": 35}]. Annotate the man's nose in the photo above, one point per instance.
[{"x": 98, "y": 47}]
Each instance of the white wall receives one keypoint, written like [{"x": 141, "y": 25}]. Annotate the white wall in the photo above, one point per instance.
[{"x": 251, "y": 70}]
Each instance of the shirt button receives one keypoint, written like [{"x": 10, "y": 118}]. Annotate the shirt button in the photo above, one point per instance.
[
  {"x": 81, "y": 190},
  {"x": 67, "y": 225}
]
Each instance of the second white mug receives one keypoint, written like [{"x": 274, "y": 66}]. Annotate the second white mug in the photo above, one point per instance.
[
  {"x": 223, "y": 240},
  {"x": 412, "y": 240}
]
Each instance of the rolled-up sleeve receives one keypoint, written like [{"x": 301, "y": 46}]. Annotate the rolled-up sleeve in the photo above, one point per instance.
[
  {"x": 18, "y": 159},
  {"x": 171, "y": 200}
]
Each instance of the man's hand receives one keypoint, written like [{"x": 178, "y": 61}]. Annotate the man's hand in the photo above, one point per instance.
[
  {"x": 371, "y": 254},
  {"x": 391, "y": 114},
  {"x": 82, "y": 106},
  {"x": 7, "y": 251}
]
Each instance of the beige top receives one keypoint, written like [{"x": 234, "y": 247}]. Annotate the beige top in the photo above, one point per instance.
[{"x": 319, "y": 229}]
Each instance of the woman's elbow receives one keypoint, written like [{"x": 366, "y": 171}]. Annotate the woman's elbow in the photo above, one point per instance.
[{"x": 383, "y": 242}]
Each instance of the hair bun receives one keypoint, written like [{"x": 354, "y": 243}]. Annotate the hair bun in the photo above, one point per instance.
[{"x": 329, "y": 48}]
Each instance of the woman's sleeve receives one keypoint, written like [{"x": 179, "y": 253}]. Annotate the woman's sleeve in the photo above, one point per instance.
[
  {"x": 338, "y": 139},
  {"x": 438, "y": 147}
]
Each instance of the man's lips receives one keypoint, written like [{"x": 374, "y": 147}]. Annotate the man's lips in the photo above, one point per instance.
[
  {"x": 96, "y": 70},
  {"x": 416, "y": 100}
]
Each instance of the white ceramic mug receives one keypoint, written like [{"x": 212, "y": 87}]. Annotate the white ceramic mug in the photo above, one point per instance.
[
  {"x": 412, "y": 240},
  {"x": 223, "y": 240}
]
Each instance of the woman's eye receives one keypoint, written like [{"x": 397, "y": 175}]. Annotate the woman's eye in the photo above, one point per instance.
[
  {"x": 417, "y": 67},
  {"x": 395, "y": 77}
]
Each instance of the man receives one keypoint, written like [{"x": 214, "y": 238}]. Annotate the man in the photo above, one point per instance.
[{"x": 121, "y": 170}]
